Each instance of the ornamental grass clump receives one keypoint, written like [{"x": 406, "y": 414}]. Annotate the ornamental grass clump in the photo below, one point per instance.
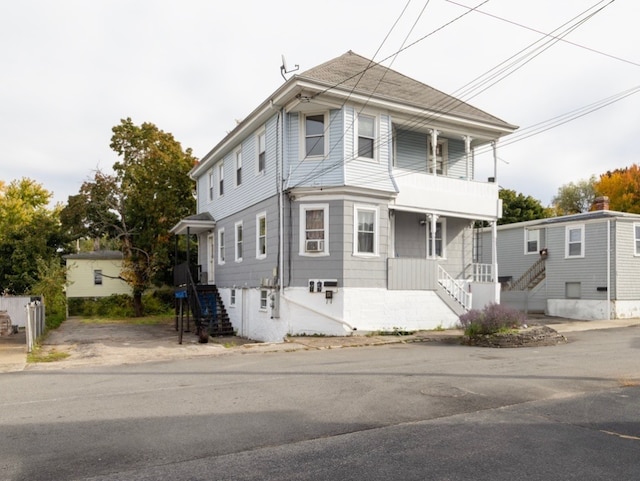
[{"x": 492, "y": 319}]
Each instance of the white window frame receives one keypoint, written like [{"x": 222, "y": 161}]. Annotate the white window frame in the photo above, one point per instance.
[
  {"x": 221, "y": 247},
  {"x": 221, "y": 178},
  {"x": 238, "y": 169},
  {"x": 238, "y": 241},
  {"x": 262, "y": 134},
  {"x": 443, "y": 238},
  {"x": 261, "y": 217},
  {"x": 264, "y": 299},
  {"x": 303, "y": 230},
  {"x": 212, "y": 183},
  {"x": 443, "y": 144},
  {"x": 568, "y": 242},
  {"x": 232, "y": 297},
  {"x": 357, "y": 209},
  {"x": 325, "y": 135},
  {"x": 374, "y": 150},
  {"x": 636, "y": 238},
  {"x": 211, "y": 252},
  {"x": 531, "y": 235}
]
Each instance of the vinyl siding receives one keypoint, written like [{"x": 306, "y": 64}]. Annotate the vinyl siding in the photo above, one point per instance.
[
  {"x": 81, "y": 281},
  {"x": 627, "y": 264},
  {"x": 250, "y": 271}
]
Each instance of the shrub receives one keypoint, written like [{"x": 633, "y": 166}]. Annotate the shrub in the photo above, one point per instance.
[{"x": 490, "y": 320}]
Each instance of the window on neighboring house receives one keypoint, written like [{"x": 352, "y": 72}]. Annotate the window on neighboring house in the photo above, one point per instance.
[
  {"x": 264, "y": 297},
  {"x": 261, "y": 236},
  {"x": 636, "y": 230},
  {"x": 572, "y": 290},
  {"x": 441, "y": 157},
  {"x": 238, "y": 167},
  {"x": 574, "y": 241},
  {"x": 314, "y": 135},
  {"x": 262, "y": 151},
  {"x": 239, "y": 241},
  {"x": 314, "y": 229},
  {"x": 211, "y": 184},
  {"x": 366, "y": 136},
  {"x": 97, "y": 277},
  {"x": 232, "y": 298},
  {"x": 221, "y": 179},
  {"x": 366, "y": 230},
  {"x": 221, "y": 250},
  {"x": 439, "y": 239},
  {"x": 532, "y": 241}
]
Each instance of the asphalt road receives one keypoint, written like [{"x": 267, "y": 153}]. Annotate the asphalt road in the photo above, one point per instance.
[{"x": 404, "y": 411}]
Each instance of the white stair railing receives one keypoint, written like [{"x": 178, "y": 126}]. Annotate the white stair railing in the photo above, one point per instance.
[{"x": 456, "y": 288}]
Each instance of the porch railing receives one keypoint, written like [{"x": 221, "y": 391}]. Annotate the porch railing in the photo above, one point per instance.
[{"x": 482, "y": 272}]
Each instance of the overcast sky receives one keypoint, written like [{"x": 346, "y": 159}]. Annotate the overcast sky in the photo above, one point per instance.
[{"x": 71, "y": 70}]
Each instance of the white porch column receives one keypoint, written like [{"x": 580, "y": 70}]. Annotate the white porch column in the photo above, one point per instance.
[
  {"x": 467, "y": 150},
  {"x": 432, "y": 236},
  {"x": 494, "y": 251},
  {"x": 434, "y": 151}
]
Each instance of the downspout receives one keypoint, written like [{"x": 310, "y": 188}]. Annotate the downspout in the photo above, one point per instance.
[{"x": 608, "y": 269}]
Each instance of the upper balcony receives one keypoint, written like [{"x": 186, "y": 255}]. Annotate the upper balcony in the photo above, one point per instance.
[{"x": 447, "y": 195}]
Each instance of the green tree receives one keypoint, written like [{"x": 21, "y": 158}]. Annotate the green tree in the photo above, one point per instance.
[
  {"x": 29, "y": 232},
  {"x": 517, "y": 207},
  {"x": 149, "y": 192},
  {"x": 575, "y": 197}
]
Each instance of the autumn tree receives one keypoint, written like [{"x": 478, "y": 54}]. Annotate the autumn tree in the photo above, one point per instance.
[
  {"x": 622, "y": 186},
  {"x": 517, "y": 207},
  {"x": 575, "y": 197},
  {"x": 149, "y": 192}
]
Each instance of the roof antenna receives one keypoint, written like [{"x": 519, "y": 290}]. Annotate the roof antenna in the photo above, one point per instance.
[{"x": 284, "y": 69}]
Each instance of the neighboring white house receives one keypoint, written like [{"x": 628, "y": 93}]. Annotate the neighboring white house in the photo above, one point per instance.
[
  {"x": 346, "y": 202},
  {"x": 582, "y": 266},
  {"x": 95, "y": 274}
]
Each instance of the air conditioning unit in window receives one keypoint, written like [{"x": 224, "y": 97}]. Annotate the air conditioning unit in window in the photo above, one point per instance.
[{"x": 314, "y": 246}]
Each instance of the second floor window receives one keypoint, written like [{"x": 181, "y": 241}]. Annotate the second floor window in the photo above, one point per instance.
[
  {"x": 314, "y": 135},
  {"x": 211, "y": 184},
  {"x": 221, "y": 179},
  {"x": 532, "y": 241},
  {"x": 239, "y": 167},
  {"x": 262, "y": 151},
  {"x": 441, "y": 157},
  {"x": 366, "y": 136}
]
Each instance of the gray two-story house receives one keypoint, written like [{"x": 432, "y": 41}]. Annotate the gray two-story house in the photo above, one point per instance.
[{"x": 345, "y": 203}]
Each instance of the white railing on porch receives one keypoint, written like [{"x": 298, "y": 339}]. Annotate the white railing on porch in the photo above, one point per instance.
[
  {"x": 455, "y": 287},
  {"x": 482, "y": 272}
]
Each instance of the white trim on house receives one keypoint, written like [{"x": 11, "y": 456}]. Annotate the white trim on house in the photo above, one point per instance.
[
  {"x": 570, "y": 241},
  {"x": 313, "y": 247},
  {"x": 375, "y": 210}
]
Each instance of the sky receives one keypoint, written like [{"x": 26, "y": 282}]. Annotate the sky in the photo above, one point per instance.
[{"x": 71, "y": 70}]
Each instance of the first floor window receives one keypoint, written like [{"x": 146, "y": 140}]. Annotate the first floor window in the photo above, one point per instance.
[
  {"x": 575, "y": 241},
  {"x": 238, "y": 241},
  {"x": 221, "y": 246},
  {"x": 532, "y": 241},
  {"x": 264, "y": 296},
  {"x": 366, "y": 223},
  {"x": 573, "y": 290},
  {"x": 261, "y": 236},
  {"x": 439, "y": 240},
  {"x": 313, "y": 234},
  {"x": 97, "y": 277},
  {"x": 636, "y": 229}
]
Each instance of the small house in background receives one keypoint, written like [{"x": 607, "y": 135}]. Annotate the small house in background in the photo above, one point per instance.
[
  {"x": 582, "y": 266},
  {"x": 95, "y": 274}
]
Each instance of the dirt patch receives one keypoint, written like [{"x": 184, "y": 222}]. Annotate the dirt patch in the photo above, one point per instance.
[{"x": 535, "y": 336}]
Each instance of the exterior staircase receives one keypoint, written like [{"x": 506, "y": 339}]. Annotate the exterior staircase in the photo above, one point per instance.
[
  {"x": 209, "y": 311},
  {"x": 531, "y": 278}
]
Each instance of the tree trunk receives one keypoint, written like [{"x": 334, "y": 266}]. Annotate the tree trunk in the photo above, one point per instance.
[{"x": 138, "y": 308}]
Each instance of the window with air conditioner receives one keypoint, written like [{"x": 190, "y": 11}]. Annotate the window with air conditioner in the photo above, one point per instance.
[{"x": 314, "y": 231}]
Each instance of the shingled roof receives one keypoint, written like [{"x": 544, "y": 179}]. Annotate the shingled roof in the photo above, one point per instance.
[{"x": 353, "y": 72}]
